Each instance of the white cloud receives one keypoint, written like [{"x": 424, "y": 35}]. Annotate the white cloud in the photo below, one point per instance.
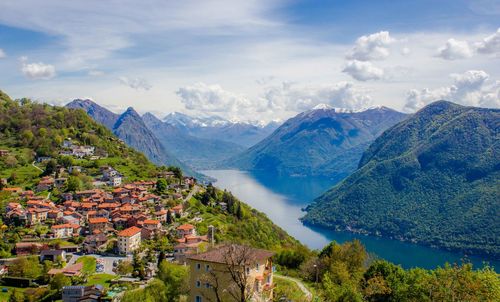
[
  {"x": 363, "y": 71},
  {"x": 371, "y": 47},
  {"x": 37, "y": 71},
  {"x": 297, "y": 98},
  {"x": 2, "y": 54},
  {"x": 455, "y": 49},
  {"x": 469, "y": 88},
  {"x": 490, "y": 44},
  {"x": 405, "y": 51},
  {"x": 135, "y": 83},
  {"x": 212, "y": 98}
]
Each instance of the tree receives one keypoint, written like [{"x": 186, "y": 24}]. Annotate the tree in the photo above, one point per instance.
[
  {"x": 10, "y": 161},
  {"x": 139, "y": 270},
  {"x": 50, "y": 167},
  {"x": 175, "y": 278},
  {"x": 239, "y": 211},
  {"x": 73, "y": 184},
  {"x": 59, "y": 281},
  {"x": 161, "y": 186},
  {"x": 169, "y": 217},
  {"x": 124, "y": 268},
  {"x": 27, "y": 267}
]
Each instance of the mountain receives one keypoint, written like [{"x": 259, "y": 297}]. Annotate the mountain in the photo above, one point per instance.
[
  {"x": 200, "y": 153},
  {"x": 130, "y": 127},
  {"x": 98, "y": 113},
  {"x": 433, "y": 178},
  {"x": 245, "y": 134},
  {"x": 324, "y": 141}
]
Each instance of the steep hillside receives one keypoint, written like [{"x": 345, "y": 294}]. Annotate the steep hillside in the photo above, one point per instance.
[
  {"x": 433, "y": 178},
  {"x": 29, "y": 130},
  {"x": 200, "y": 153},
  {"x": 98, "y": 113},
  {"x": 321, "y": 142}
]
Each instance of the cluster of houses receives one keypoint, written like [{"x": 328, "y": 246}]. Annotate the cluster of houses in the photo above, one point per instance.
[{"x": 71, "y": 149}]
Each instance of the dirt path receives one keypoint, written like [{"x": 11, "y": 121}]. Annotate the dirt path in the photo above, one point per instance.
[{"x": 299, "y": 283}]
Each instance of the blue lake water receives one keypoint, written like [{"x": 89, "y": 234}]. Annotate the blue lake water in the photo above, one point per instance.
[{"x": 282, "y": 199}]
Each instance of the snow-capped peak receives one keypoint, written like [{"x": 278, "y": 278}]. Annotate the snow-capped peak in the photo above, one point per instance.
[{"x": 322, "y": 106}]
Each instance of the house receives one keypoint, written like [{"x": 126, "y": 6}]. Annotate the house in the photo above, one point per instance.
[
  {"x": 69, "y": 271},
  {"x": 52, "y": 255},
  {"x": 115, "y": 181},
  {"x": 4, "y": 152},
  {"x": 185, "y": 230},
  {"x": 67, "y": 143},
  {"x": 187, "y": 246},
  {"x": 129, "y": 240},
  {"x": 45, "y": 184},
  {"x": 36, "y": 215},
  {"x": 223, "y": 265},
  {"x": 65, "y": 230},
  {"x": 177, "y": 210},
  {"x": 92, "y": 243},
  {"x": 82, "y": 151},
  {"x": 59, "y": 182},
  {"x": 79, "y": 293},
  {"x": 100, "y": 223},
  {"x": 17, "y": 190},
  {"x": 29, "y": 248}
]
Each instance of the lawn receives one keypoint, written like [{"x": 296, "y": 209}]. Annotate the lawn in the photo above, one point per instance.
[
  {"x": 89, "y": 264},
  {"x": 288, "y": 289},
  {"x": 5, "y": 296},
  {"x": 102, "y": 279}
]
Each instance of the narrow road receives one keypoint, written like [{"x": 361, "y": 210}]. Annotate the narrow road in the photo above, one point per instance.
[
  {"x": 195, "y": 190},
  {"x": 299, "y": 283},
  {"x": 33, "y": 164}
]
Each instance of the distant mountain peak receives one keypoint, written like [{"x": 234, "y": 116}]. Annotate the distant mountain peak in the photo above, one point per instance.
[{"x": 322, "y": 106}]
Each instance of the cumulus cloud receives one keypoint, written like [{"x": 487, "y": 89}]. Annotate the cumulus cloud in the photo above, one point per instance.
[
  {"x": 212, "y": 98},
  {"x": 455, "y": 49},
  {"x": 135, "y": 83},
  {"x": 371, "y": 47},
  {"x": 297, "y": 98},
  {"x": 2, "y": 54},
  {"x": 469, "y": 88},
  {"x": 37, "y": 71},
  {"x": 490, "y": 44},
  {"x": 363, "y": 71}
]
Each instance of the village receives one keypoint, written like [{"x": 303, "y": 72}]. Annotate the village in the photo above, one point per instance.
[{"x": 109, "y": 227}]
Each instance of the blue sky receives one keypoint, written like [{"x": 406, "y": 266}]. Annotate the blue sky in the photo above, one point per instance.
[{"x": 251, "y": 60}]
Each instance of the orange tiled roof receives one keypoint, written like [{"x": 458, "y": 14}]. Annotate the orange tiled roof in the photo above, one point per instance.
[
  {"x": 129, "y": 232},
  {"x": 186, "y": 227},
  {"x": 98, "y": 220},
  {"x": 151, "y": 221}
]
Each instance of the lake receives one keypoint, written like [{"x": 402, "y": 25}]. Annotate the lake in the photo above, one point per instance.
[{"x": 282, "y": 199}]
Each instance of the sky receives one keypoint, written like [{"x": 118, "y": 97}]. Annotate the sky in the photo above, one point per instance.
[{"x": 251, "y": 60}]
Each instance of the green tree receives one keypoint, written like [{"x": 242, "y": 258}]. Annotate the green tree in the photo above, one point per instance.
[
  {"x": 139, "y": 270},
  {"x": 124, "y": 268},
  {"x": 73, "y": 184},
  {"x": 161, "y": 186},
  {"x": 27, "y": 267},
  {"x": 175, "y": 278},
  {"x": 59, "y": 281}
]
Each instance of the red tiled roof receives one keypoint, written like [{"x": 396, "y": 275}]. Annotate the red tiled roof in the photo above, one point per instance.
[
  {"x": 129, "y": 232},
  {"x": 151, "y": 221},
  {"x": 186, "y": 227},
  {"x": 98, "y": 220}
]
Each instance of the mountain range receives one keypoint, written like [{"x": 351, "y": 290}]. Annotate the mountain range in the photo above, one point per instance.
[
  {"x": 433, "y": 178},
  {"x": 245, "y": 134},
  {"x": 130, "y": 127},
  {"x": 324, "y": 141}
]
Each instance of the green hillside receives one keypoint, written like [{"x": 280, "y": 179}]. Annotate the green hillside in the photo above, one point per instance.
[{"x": 433, "y": 178}]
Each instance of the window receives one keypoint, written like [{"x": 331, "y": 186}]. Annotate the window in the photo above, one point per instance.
[
  {"x": 207, "y": 267},
  {"x": 197, "y": 299},
  {"x": 207, "y": 285},
  {"x": 198, "y": 283},
  {"x": 248, "y": 270},
  {"x": 198, "y": 266},
  {"x": 257, "y": 267}
]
